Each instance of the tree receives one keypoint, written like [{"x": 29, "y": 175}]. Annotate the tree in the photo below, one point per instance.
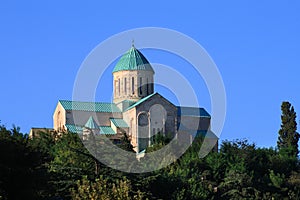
[
  {"x": 288, "y": 136},
  {"x": 102, "y": 188},
  {"x": 22, "y": 171},
  {"x": 125, "y": 143},
  {"x": 70, "y": 162}
]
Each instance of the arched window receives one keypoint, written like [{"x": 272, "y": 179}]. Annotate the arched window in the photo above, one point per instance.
[
  {"x": 147, "y": 86},
  {"x": 140, "y": 86},
  {"x": 143, "y": 119},
  {"x": 152, "y": 86},
  {"x": 125, "y": 83},
  {"x": 119, "y": 88},
  {"x": 132, "y": 85}
]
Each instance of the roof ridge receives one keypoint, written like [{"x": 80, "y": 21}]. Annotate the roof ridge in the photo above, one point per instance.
[
  {"x": 119, "y": 122},
  {"x": 86, "y": 101},
  {"x": 141, "y": 100},
  {"x": 192, "y": 111},
  {"x": 189, "y": 107},
  {"x": 89, "y": 106}
]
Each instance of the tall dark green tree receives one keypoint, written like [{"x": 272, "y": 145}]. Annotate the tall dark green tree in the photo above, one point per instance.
[
  {"x": 288, "y": 136},
  {"x": 23, "y": 174}
]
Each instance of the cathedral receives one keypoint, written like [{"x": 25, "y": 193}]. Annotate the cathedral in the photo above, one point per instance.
[{"x": 137, "y": 110}]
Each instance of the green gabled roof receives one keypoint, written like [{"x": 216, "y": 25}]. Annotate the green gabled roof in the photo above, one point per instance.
[
  {"x": 206, "y": 133},
  {"x": 119, "y": 123},
  {"x": 91, "y": 123},
  {"x": 73, "y": 128},
  {"x": 141, "y": 101},
  {"x": 107, "y": 130},
  {"x": 192, "y": 111},
  {"x": 133, "y": 60},
  {"x": 89, "y": 106}
]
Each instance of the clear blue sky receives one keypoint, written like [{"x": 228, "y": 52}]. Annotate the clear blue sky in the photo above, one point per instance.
[{"x": 256, "y": 46}]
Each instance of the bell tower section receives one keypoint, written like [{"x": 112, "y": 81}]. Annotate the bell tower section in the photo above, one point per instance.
[{"x": 133, "y": 77}]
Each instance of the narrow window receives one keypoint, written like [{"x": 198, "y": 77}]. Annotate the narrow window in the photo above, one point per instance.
[
  {"x": 141, "y": 83},
  {"x": 119, "y": 88},
  {"x": 132, "y": 85},
  {"x": 125, "y": 81},
  {"x": 147, "y": 86},
  {"x": 152, "y": 86},
  {"x": 115, "y": 88}
]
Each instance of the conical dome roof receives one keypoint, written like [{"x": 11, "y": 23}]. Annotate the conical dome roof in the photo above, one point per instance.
[
  {"x": 91, "y": 123},
  {"x": 133, "y": 60}
]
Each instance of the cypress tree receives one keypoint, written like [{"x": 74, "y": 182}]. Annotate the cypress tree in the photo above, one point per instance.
[{"x": 288, "y": 136}]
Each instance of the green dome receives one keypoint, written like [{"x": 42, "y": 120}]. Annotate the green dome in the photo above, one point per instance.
[{"x": 133, "y": 60}]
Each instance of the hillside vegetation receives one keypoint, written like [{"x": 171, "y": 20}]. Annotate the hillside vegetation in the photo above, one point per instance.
[{"x": 44, "y": 168}]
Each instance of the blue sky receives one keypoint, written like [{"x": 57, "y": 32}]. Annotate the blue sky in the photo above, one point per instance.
[{"x": 256, "y": 46}]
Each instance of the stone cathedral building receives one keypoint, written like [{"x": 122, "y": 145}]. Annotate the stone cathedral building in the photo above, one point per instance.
[{"x": 136, "y": 110}]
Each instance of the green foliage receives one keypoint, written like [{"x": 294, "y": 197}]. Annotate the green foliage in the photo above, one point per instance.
[
  {"x": 125, "y": 143},
  {"x": 102, "y": 188},
  {"x": 294, "y": 185},
  {"x": 277, "y": 179},
  {"x": 288, "y": 136},
  {"x": 159, "y": 140},
  {"x": 70, "y": 162},
  {"x": 237, "y": 185},
  {"x": 23, "y": 174},
  {"x": 48, "y": 168}
]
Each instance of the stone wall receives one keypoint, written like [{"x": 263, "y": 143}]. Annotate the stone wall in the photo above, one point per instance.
[
  {"x": 59, "y": 118},
  {"x": 81, "y": 117},
  {"x": 130, "y": 118},
  {"x": 156, "y": 109},
  {"x": 123, "y": 90},
  {"x": 170, "y": 122}
]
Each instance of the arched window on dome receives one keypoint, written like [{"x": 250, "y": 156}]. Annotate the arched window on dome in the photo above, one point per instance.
[
  {"x": 140, "y": 86},
  {"x": 132, "y": 85},
  {"x": 119, "y": 87},
  {"x": 152, "y": 86},
  {"x": 125, "y": 84},
  {"x": 147, "y": 86}
]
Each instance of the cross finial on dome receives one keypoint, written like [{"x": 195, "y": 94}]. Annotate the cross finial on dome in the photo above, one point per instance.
[{"x": 132, "y": 43}]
